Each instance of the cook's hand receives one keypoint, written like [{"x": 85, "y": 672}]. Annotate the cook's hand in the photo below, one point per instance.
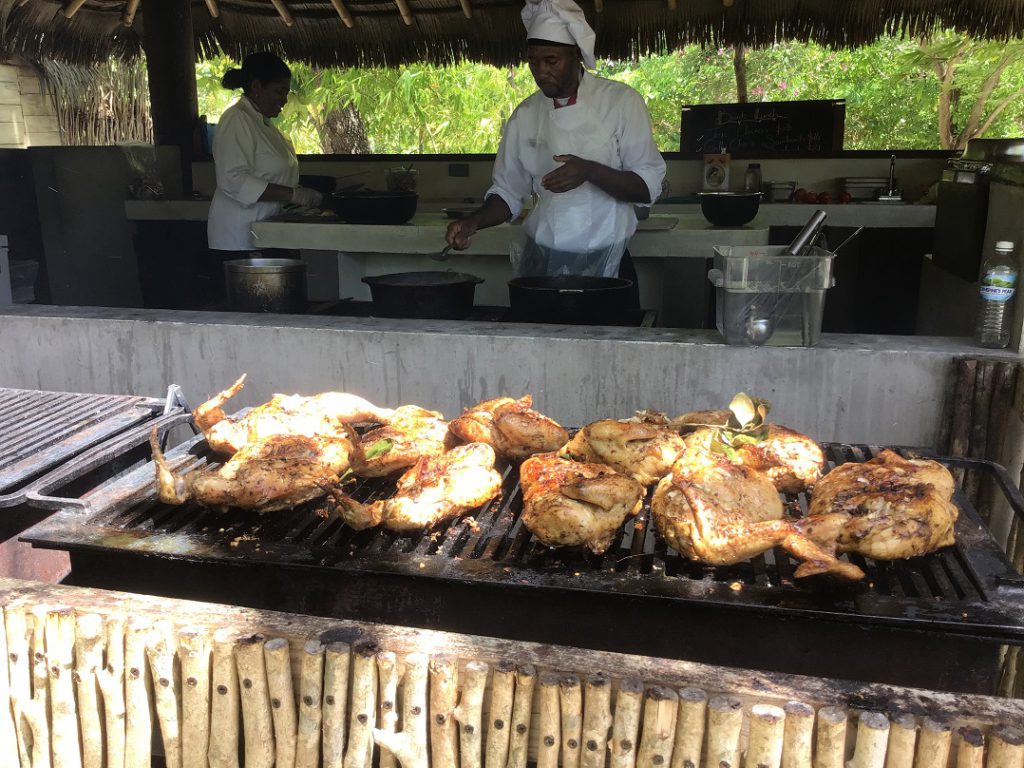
[
  {"x": 574, "y": 172},
  {"x": 307, "y": 198},
  {"x": 460, "y": 231}
]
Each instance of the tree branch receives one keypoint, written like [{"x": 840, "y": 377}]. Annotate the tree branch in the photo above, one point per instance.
[
  {"x": 991, "y": 83},
  {"x": 999, "y": 109},
  {"x": 739, "y": 65}
]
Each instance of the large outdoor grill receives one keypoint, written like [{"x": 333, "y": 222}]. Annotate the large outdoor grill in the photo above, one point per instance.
[{"x": 937, "y": 621}]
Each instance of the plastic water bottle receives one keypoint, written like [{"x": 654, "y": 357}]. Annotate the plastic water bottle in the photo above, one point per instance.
[{"x": 998, "y": 284}]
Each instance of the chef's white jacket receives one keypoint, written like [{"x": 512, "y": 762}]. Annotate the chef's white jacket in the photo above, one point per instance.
[{"x": 249, "y": 152}]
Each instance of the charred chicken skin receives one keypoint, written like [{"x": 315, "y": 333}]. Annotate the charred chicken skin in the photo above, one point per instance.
[
  {"x": 436, "y": 489},
  {"x": 273, "y": 474},
  {"x": 323, "y": 415},
  {"x": 569, "y": 503},
  {"x": 511, "y": 427},
  {"x": 716, "y": 512},
  {"x": 886, "y": 508},
  {"x": 643, "y": 447},
  {"x": 413, "y": 433}
]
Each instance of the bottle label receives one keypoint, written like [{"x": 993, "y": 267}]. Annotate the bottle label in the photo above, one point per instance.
[{"x": 997, "y": 287}]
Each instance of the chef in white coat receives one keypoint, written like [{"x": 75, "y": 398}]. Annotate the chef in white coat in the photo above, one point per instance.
[
  {"x": 582, "y": 144},
  {"x": 257, "y": 170}
]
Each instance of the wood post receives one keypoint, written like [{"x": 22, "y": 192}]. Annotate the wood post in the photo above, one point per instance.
[
  {"x": 311, "y": 694},
  {"x": 500, "y": 714},
  {"x": 830, "y": 749},
  {"x": 933, "y": 744},
  {"x": 410, "y": 746},
  {"x": 225, "y": 707},
  {"x": 40, "y": 672},
  {"x": 767, "y": 726},
  {"x": 387, "y": 709},
  {"x": 693, "y": 706},
  {"x": 571, "y": 703},
  {"x": 337, "y": 659},
  {"x": 112, "y": 686},
  {"x": 257, "y": 721},
  {"x": 798, "y": 740},
  {"x": 130, "y": 9},
  {"x": 8, "y": 734},
  {"x": 282, "y": 701},
  {"x": 161, "y": 653},
  {"x": 17, "y": 633},
  {"x": 137, "y": 692},
  {"x": 725, "y": 719},
  {"x": 549, "y": 738},
  {"x": 872, "y": 740},
  {"x": 963, "y": 402},
  {"x": 983, "y": 382},
  {"x": 363, "y": 715},
  {"x": 467, "y": 9},
  {"x": 34, "y": 712},
  {"x": 659, "y": 727},
  {"x": 522, "y": 712},
  {"x": 88, "y": 660},
  {"x": 213, "y": 8},
  {"x": 194, "y": 654},
  {"x": 971, "y": 751},
  {"x": 469, "y": 715},
  {"x": 344, "y": 13},
  {"x": 403, "y": 8},
  {"x": 902, "y": 740},
  {"x": 626, "y": 724},
  {"x": 597, "y": 720},
  {"x": 444, "y": 695},
  {"x": 1006, "y": 748},
  {"x": 71, "y": 8},
  {"x": 283, "y": 12}
]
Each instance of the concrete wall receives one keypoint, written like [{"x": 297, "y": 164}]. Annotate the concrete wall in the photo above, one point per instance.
[{"x": 27, "y": 115}]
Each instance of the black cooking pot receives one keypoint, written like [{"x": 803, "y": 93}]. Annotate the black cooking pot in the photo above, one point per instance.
[
  {"x": 325, "y": 185},
  {"x": 423, "y": 295},
  {"x": 729, "y": 209},
  {"x": 569, "y": 299},
  {"x": 370, "y": 207}
]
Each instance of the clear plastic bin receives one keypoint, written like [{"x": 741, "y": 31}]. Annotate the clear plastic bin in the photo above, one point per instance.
[{"x": 766, "y": 298}]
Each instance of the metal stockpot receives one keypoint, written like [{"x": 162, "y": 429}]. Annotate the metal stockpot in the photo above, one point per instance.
[{"x": 266, "y": 285}]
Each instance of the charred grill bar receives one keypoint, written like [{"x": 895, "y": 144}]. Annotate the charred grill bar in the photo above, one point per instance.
[{"x": 935, "y": 621}]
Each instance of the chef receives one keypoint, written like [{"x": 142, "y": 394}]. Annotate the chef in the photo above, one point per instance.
[{"x": 582, "y": 144}]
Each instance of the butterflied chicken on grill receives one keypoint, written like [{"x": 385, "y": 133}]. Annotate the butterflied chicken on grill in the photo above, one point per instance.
[
  {"x": 643, "y": 447},
  {"x": 435, "y": 489},
  {"x": 511, "y": 427},
  {"x": 412, "y": 432},
  {"x": 570, "y": 503},
  {"x": 716, "y": 512},
  {"x": 886, "y": 508},
  {"x": 324, "y": 415},
  {"x": 272, "y": 474}
]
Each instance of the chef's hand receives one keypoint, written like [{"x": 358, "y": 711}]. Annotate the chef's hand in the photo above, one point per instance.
[
  {"x": 307, "y": 198},
  {"x": 460, "y": 231},
  {"x": 574, "y": 172}
]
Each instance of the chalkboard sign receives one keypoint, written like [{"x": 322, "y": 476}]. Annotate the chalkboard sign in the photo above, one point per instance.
[{"x": 769, "y": 127}]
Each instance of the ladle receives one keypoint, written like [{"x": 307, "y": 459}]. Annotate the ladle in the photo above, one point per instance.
[{"x": 443, "y": 255}]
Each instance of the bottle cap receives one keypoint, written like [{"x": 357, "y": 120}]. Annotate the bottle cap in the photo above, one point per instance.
[{"x": 1004, "y": 245}]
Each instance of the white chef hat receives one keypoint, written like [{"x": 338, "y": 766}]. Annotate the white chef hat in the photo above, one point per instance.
[{"x": 560, "y": 21}]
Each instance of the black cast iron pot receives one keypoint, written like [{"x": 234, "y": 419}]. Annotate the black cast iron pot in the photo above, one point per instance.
[
  {"x": 569, "y": 299},
  {"x": 423, "y": 295},
  {"x": 729, "y": 209},
  {"x": 370, "y": 207}
]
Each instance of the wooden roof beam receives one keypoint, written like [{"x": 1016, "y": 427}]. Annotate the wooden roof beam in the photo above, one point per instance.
[
  {"x": 671, "y": 5},
  {"x": 283, "y": 12},
  {"x": 130, "y": 9},
  {"x": 71, "y": 8},
  {"x": 213, "y": 8},
  {"x": 467, "y": 9},
  {"x": 343, "y": 12},
  {"x": 599, "y": 6},
  {"x": 403, "y": 8}
]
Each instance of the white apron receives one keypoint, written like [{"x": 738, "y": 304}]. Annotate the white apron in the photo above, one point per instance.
[{"x": 583, "y": 231}]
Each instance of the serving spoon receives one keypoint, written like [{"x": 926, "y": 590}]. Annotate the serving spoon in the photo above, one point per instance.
[{"x": 443, "y": 255}]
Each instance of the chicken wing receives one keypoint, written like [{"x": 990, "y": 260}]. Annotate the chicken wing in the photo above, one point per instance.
[
  {"x": 511, "y": 427},
  {"x": 886, "y": 508},
  {"x": 569, "y": 503},
  {"x": 412, "y": 432},
  {"x": 643, "y": 447},
  {"x": 435, "y": 489},
  {"x": 716, "y": 512},
  {"x": 273, "y": 474},
  {"x": 322, "y": 415}
]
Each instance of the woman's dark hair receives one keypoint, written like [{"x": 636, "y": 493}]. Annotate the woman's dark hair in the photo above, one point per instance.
[{"x": 263, "y": 66}]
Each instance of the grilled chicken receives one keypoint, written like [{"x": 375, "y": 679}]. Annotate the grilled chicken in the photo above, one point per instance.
[
  {"x": 412, "y": 432},
  {"x": 511, "y": 427},
  {"x": 886, "y": 508},
  {"x": 694, "y": 420},
  {"x": 793, "y": 462},
  {"x": 434, "y": 490},
  {"x": 323, "y": 415},
  {"x": 569, "y": 503},
  {"x": 272, "y": 474},
  {"x": 643, "y": 447},
  {"x": 720, "y": 513}
]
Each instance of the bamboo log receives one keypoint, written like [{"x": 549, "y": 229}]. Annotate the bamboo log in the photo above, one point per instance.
[
  {"x": 161, "y": 652},
  {"x": 830, "y": 749},
  {"x": 213, "y": 8},
  {"x": 337, "y": 659},
  {"x": 137, "y": 691},
  {"x": 798, "y": 739},
  {"x": 725, "y": 719},
  {"x": 444, "y": 695},
  {"x": 403, "y": 8},
  {"x": 65, "y": 751},
  {"x": 40, "y": 670},
  {"x": 872, "y": 740},
  {"x": 500, "y": 714},
  {"x": 363, "y": 715},
  {"x": 71, "y": 8},
  {"x": 571, "y": 703},
  {"x": 467, "y": 9},
  {"x": 626, "y": 724},
  {"x": 1006, "y": 748},
  {"x": 597, "y": 720},
  {"x": 659, "y": 728},
  {"x": 410, "y": 746},
  {"x": 971, "y": 751},
  {"x": 257, "y": 721},
  {"x": 311, "y": 694},
  {"x": 550, "y": 725},
  {"x": 343, "y": 12},
  {"x": 225, "y": 706},
  {"x": 387, "y": 714},
  {"x": 194, "y": 653},
  {"x": 283, "y": 12},
  {"x": 693, "y": 707},
  {"x": 88, "y": 660},
  {"x": 8, "y": 732},
  {"x": 767, "y": 727},
  {"x": 902, "y": 740},
  {"x": 933, "y": 743},
  {"x": 112, "y": 686},
  {"x": 282, "y": 701},
  {"x": 20, "y": 672},
  {"x": 34, "y": 713},
  {"x": 130, "y": 9},
  {"x": 522, "y": 712},
  {"x": 469, "y": 715}
]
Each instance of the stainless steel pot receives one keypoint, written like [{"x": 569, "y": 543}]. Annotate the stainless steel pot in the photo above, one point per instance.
[{"x": 266, "y": 285}]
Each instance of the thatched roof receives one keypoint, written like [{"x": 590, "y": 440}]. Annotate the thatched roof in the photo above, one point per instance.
[{"x": 482, "y": 30}]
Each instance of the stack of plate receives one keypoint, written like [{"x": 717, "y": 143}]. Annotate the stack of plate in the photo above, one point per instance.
[{"x": 864, "y": 187}]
